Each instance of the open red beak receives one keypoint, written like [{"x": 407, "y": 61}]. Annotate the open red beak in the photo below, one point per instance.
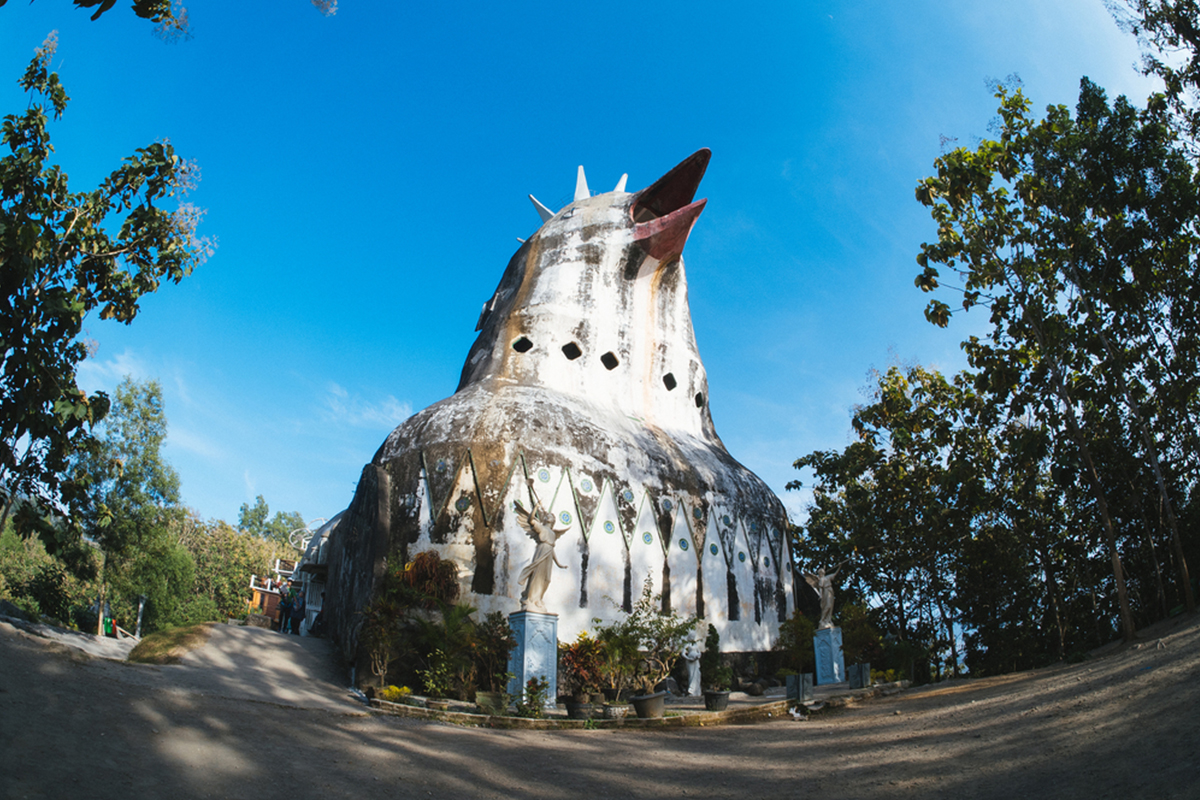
[{"x": 664, "y": 213}]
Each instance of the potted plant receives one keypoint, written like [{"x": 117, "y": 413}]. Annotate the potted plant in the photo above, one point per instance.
[
  {"x": 494, "y": 641},
  {"x": 860, "y": 642},
  {"x": 618, "y": 660},
  {"x": 660, "y": 638},
  {"x": 714, "y": 674},
  {"x": 580, "y": 662},
  {"x": 796, "y": 644}
]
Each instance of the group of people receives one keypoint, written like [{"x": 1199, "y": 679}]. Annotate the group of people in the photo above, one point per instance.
[{"x": 291, "y": 608}]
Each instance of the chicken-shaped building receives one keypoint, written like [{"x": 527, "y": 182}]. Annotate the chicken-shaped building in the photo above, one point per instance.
[{"x": 584, "y": 397}]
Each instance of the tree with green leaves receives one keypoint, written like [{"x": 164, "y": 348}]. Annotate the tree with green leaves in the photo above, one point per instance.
[
  {"x": 134, "y": 490},
  {"x": 133, "y": 510},
  {"x": 1169, "y": 34},
  {"x": 256, "y": 520},
  {"x": 225, "y": 559},
  {"x": 894, "y": 507},
  {"x": 58, "y": 264},
  {"x": 170, "y": 17},
  {"x": 1078, "y": 234}
]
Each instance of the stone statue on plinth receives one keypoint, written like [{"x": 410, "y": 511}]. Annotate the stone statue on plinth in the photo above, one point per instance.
[
  {"x": 827, "y": 643},
  {"x": 691, "y": 657},
  {"x": 536, "y": 575},
  {"x": 824, "y": 585}
]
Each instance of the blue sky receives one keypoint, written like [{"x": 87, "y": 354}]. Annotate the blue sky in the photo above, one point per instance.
[{"x": 366, "y": 176}]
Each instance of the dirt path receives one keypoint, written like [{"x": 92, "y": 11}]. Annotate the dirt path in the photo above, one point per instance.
[{"x": 1123, "y": 726}]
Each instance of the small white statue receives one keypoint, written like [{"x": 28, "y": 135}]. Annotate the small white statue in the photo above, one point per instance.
[
  {"x": 691, "y": 656},
  {"x": 536, "y": 575},
  {"x": 824, "y": 585}
]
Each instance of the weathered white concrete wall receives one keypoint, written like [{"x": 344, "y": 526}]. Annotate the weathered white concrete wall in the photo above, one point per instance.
[{"x": 585, "y": 395}]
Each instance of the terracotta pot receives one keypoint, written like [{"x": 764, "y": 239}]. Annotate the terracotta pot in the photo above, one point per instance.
[{"x": 649, "y": 706}]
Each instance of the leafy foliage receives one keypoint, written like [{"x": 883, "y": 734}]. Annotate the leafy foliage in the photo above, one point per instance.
[
  {"x": 645, "y": 643},
  {"x": 446, "y": 644},
  {"x": 796, "y": 643},
  {"x": 40, "y": 583},
  {"x": 170, "y": 16},
  {"x": 380, "y": 633},
  {"x": 618, "y": 653},
  {"x": 1028, "y": 509},
  {"x": 532, "y": 704},
  {"x": 224, "y": 560},
  {"x": 1079, "y": 234},
  {"x": 414, "y": 625},
  {"x": 581, "y": 662},
  {"x": 256, "y": 520},
  {"x": 494, "y": 642},
  {"x": 58, "y": 263},
  {"x": 714, "y": 674},
  {"x": 1169, "y": 33},
  {"x": 132, "y": 507},
  {"x": 394, "y": 694},
  {"x": 431, "y": 579}
]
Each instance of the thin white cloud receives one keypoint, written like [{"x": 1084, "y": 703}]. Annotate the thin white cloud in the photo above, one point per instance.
[
  {"x": 181, "y": 389},
  {"x": 192, "y": 442},
  {"x": 342, "y": 407},
  {"x": 96, "y": 374}
]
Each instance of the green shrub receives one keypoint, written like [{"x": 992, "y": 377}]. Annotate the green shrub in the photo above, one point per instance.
[
  {"x": 712, "y": 672},
  {"x": 796, "y": 644},
  {"x": 533, "y": 704}
]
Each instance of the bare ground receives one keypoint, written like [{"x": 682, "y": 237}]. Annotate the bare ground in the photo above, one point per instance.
[{"x": 258, "y": 715}]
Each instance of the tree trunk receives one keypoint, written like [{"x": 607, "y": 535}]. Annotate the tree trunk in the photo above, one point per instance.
[
  {"x": 1060, "y": 390},
  {"x": 1117, "y": 370}
]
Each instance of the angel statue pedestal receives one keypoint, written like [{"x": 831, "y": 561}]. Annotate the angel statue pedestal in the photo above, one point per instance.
[
  {"x": 536, "y": 653},
  {"x": 827, "y": 645}
]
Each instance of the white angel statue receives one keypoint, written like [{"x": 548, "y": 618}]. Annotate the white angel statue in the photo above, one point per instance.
[
  {"x": 824, "y": 585},
  {"x": 536, "y": 575}
]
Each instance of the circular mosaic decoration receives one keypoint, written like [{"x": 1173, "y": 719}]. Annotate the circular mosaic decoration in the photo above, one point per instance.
[
  {"x": 667, "y": 505},
  {"x": 697, "y": 513},
  {"x": 647, "y": 538},
  {"x": 683, "y": 545},
  {"x": 463, "y": 504},
  {"x": 544, "y": 475},
  {"x": 712, "y": 548},
  {"x": 609, "y": 527},
  {"x": 586, "y": 485},
  {"x": 565, "y": 517},
  {"x": 742, "y": 557},
  {"x": 628, "y": 495},
  {"x": 726, "y": 520}
]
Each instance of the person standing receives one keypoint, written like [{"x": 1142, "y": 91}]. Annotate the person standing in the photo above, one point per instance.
[
  {"x": 285, "y": 608},
  {"x": 297, "y": 612}
]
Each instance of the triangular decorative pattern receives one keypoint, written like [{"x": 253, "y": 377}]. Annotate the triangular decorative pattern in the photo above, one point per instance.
[{"x": 587, "y": 499}]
